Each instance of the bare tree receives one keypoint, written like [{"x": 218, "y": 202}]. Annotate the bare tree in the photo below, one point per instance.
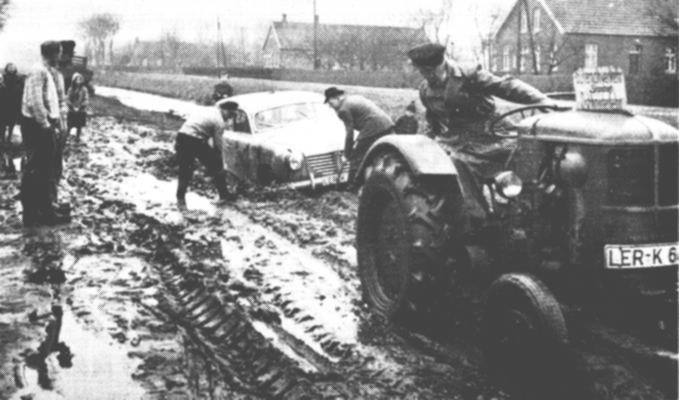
[
  {"x": 436, "y": 21},
  {"x": 486, "y": 22},
  {"x": 98, "y": 29},
  {"x": 665, "y": 12},
  {"x": 171, "y": 45},
  {"x": 4, "y": 12},
  {"x": 561, "y": 49}
]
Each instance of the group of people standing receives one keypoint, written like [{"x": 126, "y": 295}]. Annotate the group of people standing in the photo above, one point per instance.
[{"x": 49, "y": 112}]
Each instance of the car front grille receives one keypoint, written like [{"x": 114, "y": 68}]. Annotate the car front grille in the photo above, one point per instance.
[
  {"x": 643, "y": 176},
  {"x": 325, "y": 164}
]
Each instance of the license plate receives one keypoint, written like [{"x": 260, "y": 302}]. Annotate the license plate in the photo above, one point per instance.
[{"x": 630, "y": 256}]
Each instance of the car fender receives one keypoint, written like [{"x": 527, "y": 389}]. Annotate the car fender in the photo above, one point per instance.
[{"x": 423, "y": 155}]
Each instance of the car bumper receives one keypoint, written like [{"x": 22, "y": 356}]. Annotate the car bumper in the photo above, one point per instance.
[{"x": 314, "y": 182}]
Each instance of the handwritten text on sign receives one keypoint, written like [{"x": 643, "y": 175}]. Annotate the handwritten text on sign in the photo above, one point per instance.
[{"x": 601, "y": 89}]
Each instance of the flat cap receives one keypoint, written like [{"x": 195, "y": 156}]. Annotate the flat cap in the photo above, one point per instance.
[
  {"x": 427, "y": 55},
  {"x": 227, "y": 105}
]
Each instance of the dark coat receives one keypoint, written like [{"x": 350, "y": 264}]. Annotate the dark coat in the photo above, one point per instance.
[
  {"x": 11, "y": 93},
  {"x": 465, "y": 102},
  {"x": 406, "y": 124}
]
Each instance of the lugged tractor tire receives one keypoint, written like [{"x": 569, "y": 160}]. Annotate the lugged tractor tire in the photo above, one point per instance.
[
  {"x": 406, "y": 255},
  {"x": 526, "y": 341}
]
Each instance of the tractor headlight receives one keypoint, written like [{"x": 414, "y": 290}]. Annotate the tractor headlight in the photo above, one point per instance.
[
  {"x": 573, "y": 168},
  {"x": 295, "y": 160},
  {"x": 508, "y": 184}
]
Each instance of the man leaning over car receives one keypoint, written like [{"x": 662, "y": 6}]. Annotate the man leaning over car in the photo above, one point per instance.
[
  {"x": 193, "y": 143},
  {"x": 361, "y": 114}
]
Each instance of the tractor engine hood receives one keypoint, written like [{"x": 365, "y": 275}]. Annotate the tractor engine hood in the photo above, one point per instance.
[{"x": 589, "y": 127}]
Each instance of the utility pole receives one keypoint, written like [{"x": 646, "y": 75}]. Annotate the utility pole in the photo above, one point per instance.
[
  {"x": 316, "y": 60},
  {"x": 221, "y": 51}
]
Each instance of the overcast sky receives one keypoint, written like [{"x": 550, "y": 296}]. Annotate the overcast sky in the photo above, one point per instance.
[{"x": 32, "y": 21}]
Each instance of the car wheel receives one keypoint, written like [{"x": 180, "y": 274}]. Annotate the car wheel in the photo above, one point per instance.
[
  {"x": 404, "y": 242},
  {"x": 526, "y": 340}
]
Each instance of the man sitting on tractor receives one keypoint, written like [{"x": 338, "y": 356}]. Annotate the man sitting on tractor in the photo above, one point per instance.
[{"x": 458, "y": 106}]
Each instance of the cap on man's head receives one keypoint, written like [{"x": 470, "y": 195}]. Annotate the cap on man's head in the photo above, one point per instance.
[
  {"x": 427, "y": 55},
  {"x": 228, "y": 105},
  {"x": 50, "y": 48},
  {"x": 332, "y": 92}
]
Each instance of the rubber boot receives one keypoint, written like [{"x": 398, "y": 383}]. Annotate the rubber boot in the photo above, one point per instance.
[
  {"x": 182, "y": 187},
  {"x": 222, "y": 189}
]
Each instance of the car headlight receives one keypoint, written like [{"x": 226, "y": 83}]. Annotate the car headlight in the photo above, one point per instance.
[
  {"x": 508, "y": 184},
  {"x": 295, "y": 161}
]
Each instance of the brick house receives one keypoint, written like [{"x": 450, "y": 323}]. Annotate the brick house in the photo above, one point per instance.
[
  {"x": 290, "y": 45},
  {"x": 561, "y": 36}
]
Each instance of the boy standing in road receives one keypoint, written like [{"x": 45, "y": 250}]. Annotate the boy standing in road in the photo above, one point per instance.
[
  {"x": 361, "y": 114},
  {"x": 193, "y": 143}
]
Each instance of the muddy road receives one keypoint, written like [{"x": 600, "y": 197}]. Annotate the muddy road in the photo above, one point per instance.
[{"x": 258, "y": 299}]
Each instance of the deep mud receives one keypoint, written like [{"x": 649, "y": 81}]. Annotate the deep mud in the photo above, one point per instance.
[{"x": 258, "y": 299}]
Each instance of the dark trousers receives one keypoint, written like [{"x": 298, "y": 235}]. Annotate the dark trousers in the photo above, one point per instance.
[
  {"x": 361, "y": 147},
  {"x": 37, "y": 177},
  {"x": 189, "y": 149},
  {"x": 60, "y": 144}
]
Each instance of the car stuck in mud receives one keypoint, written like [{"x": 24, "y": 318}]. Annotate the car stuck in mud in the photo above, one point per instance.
[{"x": 285, "y": 138}]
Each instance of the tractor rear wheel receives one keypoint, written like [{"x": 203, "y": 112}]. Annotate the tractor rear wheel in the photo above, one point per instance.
[{"x": 406, "y": 251}]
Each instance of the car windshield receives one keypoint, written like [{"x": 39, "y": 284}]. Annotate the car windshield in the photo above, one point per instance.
[{"x": 288, "y": 114}]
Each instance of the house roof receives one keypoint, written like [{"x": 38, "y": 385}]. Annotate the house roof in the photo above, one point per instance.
[
  {"x": 300, "y": 35},
  {"x": 607, "y": 17},
  {"x": 604, "y": 17}
]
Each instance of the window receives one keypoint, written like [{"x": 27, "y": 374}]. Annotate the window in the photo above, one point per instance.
[
  {"x": 279, "y": 117},
  {"x": 536, "y": 20},
  {"x": 670, "y": 60},
  {"x": 524, "y": 21},
  {"x": 591, "y": 55},
  {"x": 525, "y": 59},
  {"x": 506, "y": 58},
  {"x": 553, "y": 59},
  {"x": 635, "y": 59}
]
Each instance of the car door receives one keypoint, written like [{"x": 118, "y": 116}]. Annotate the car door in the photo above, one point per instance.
[{"x": 237, "y": 143}]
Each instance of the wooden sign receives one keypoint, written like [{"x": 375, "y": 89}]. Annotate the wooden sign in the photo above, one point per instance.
[{"x": 600, "y": 89}]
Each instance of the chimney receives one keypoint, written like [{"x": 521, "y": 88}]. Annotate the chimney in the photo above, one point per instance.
[{"x": 284, "y": 18}]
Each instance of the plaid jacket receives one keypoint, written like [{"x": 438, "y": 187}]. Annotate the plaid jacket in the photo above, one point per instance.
[{"x": 41, "y": 99}]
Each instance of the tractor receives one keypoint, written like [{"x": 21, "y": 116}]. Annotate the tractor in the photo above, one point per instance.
[
  {"x": 579, "y": 221},
  {"x": 71, "y": 63}
]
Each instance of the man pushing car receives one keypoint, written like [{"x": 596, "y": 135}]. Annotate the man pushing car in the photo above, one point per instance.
[{"x": 193, "y": 142}]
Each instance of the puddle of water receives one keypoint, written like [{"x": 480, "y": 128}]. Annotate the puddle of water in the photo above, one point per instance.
[
  {"x": 99, "y": 367},
  {"x": 150, "y": 102}
]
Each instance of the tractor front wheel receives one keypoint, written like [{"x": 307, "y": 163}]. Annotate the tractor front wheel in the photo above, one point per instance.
[
  {"x": 406, "y": 255},
  {"x": 526, "y": 341}
]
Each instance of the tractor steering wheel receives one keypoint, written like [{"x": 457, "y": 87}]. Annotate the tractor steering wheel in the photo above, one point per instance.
[{"x": 504, "y": 132}]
